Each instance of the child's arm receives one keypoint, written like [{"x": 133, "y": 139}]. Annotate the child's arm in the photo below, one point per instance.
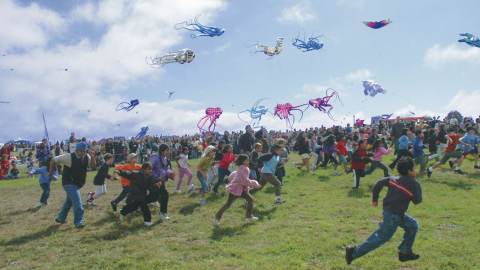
[{"x": 377, "y": 188}]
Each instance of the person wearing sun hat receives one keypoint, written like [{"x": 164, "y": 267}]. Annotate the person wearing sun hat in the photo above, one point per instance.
[{"x": 74, "y": 174}]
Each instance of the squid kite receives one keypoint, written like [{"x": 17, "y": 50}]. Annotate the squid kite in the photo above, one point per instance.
[
  {"x": 210, "y": 118},
  {"x": 128, "y": 106},
  {"x": 142, "y": 133},
  {"x": 378, "y": 24},
  {"x": 313, "y": 43},
  {"x": 323, "y": 104},
  {"x": 200, "y": 29},
  {"x": 371, "y": 88},
  {"x": 284, "y": 112},
  {"x": 470, "y": 39},
  {"x": 182, "y": 56},
  {"x": 256, "y": 112},
  {"x": 271, "y": 51}
]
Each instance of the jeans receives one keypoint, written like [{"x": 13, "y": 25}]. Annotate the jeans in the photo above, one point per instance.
[
  {"x": 357, "y": 174},
  {"x": 221, "y": 177},
  {"x": 377, "y": 164},
  {"x": 203, "y": 182},
  {"x": 386, "y": 230},
  {"x": 46, "y": 193},
  {"x": 73, "y": 199},
  {"x": 420, "y": 160}
]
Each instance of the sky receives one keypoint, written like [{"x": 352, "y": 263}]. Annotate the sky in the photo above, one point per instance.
[{"x": 103, "y": 46}]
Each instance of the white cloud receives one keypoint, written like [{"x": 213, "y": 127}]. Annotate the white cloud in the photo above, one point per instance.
[
  {"x": 83, "y": 98},
  {"x": 300, "y": 13},
  {"x": 354, "y": 4},
  {"x": 438, "y": 55},
  {"x": 359, "y": 75},
  {"x": 466, "y": 102},
  {"x": 26, "y": 27}
]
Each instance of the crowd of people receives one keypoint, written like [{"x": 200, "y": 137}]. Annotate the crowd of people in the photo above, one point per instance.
[{"x": 144, "y": 166}]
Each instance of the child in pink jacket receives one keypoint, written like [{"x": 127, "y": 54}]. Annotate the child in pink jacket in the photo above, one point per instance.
[{"x": 239, "y": 187}]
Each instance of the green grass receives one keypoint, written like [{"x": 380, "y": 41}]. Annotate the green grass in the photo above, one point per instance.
[{"x": 309, "y": 231}]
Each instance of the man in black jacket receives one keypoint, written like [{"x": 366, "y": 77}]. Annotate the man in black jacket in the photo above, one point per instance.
[
  {"x": 246, "y": 141},
  {"x": 400, "y": 192}
]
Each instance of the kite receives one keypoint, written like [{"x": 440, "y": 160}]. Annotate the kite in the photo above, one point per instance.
[
  {"x": 127, "y": 106},
  {"x": 170, "y": 94},
  {"x": 323, "y": 104},
  {"x": 313, "y": 43},
  {"x": 284, "y": 112},
  {"x": 378, "y": 24},
  {"x": 359, "y": 122},
  {"x": 142, "y": 133},
  {"x": 182, "y": 56},
  {"x": 470, "y": 39},
  {"x": 271, "y": 51},
  {"x": 4, "y": 102},
  {"x": 371, "y": 88},
  {"x": 210, "y": 118},
  {"x": 202, "y": 30},
  {"x": 256, "y": 112}
]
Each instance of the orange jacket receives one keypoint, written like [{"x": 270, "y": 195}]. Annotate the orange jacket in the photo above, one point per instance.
[{"x": 127, "y": 167}]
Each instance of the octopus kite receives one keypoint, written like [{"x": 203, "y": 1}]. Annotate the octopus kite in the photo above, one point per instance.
[
  {"x": 181, "y": 57},
  {"x": 202, "y": 30},
  {"x": 371, "y": 88},
  {"x": 323, "y": 104},
  {"x": 284, "y": 112},
  {"x": 378, "y": 24},
  {"x": 359, "y": 122},
  {"x": 470, "y": 39},
  {"x": 271, "y": 51},
  {"x": 142, "y": 133},
  {"x": 313, "y": 43},
  {"x": 170, "y": 94},
  {"x": 128, "y": 106},
  {"x": 210, "y": 118},
  {"x": 256, "y": 112}
]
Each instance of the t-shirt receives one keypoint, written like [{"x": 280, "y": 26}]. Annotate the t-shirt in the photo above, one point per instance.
[
  {"x": 379, "y": 153},
  {"x": 204, "y": 164},
  {"x": 183, "y": 161},
  {"x": 453, "y": 145}
]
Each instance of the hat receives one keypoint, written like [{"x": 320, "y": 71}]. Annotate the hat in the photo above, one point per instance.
[
  {"x": 81, "y": 146},
  {"x": 131, "y": 156}
]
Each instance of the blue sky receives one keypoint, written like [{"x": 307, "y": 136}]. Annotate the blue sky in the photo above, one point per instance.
[{"x": 416, "y": 58}]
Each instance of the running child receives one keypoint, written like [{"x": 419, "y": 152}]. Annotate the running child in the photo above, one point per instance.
[
  {"x": 184, "y": 170},
  {"x": 99, "y": 180}
]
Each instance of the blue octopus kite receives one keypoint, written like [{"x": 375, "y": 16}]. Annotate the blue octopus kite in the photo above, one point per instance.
[
  {"x": 470, "y": 39},
  {"x": 371, "y": 88},
  {"x": 203, "y": 30},
  {"x": 256, "y": 112},
  {"x": 128, "y": 106},
  {"x": 313, "y": 43},
  {"x": 142, "y": 133}
]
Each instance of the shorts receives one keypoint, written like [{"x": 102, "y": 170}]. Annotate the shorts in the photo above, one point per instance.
[
  {"x": 342, "y": 159},
  {"x": 305, "y": 156},
  {"x": 449, "y": 155}
]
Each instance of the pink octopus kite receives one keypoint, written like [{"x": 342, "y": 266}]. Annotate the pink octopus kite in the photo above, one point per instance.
[
  {"x": 323, "y": 104},
  {"x": 284, "y": 111},
  {"x": 211, "y": 116}
]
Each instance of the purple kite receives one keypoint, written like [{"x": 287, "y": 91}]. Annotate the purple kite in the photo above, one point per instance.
[
  {"x": 378, "y": 24},
  {"x": 323, "y": 104},
  {"x": 211, "y": 116}
]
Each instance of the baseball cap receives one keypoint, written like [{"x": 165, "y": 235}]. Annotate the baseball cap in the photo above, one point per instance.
[{"x": 131, "y": 156}]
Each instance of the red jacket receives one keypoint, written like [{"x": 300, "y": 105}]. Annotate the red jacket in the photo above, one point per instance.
[
  {"x": 227, "y": 158},
  {"x": 358, "y": 159},
  {"x": 342, "y": 148}
]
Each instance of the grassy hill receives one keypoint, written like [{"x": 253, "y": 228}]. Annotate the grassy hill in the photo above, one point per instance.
[{"x": 321, "y": 215}]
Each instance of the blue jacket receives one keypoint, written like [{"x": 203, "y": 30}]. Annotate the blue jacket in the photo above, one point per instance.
[
  {"x": 417, "y": 147},
  {"x": 403, "y": 142},
  {"x": 44, "y": 177}
]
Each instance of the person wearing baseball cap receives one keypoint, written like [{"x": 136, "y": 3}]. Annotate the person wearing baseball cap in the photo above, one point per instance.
[{"x": 74, "y": 174}]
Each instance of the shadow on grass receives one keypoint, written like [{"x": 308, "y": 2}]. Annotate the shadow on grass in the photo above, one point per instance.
[
  {"x": 189, "y": 209},
  {"x": 32, "y": 237},
  {"x": 109, "y": 218},
  {"x": 323, "y": 178},
  {"x": 120, "y": 231},
  {"x": 23, "y": 211},
  {"x": 265, "y": 213},
  {"x": 218, "y": 233},
  {"x": 357, "y": 193},
  {"x": 454, "y": 185}
]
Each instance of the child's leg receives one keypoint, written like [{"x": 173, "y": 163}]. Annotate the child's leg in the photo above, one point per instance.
[
  {"x": 230, "y": 200},
  {"x": 384, "y": 168},
  {"x": 188, "y": 173},
  {"x": 100, "y": 190},
  {"x": 221, "y": 176},
  {"x": 163, "y": 199},
  {"x": 181, "y": 172},
  {"x": 147, "y": 216},
  {"x": 274, "y": 181},
  {"x": 385, "y": 231},
  {"x": 45, "y": 193},
  {"x": 249, "y": 199},
  {"x": 122, "y": 195},
  {"x": 410, "y": 226},
  {"x": 129, "y": 207}
]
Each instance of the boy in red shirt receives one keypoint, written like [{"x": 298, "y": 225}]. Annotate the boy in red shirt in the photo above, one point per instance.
[
  {"x": 450, "y": 152},
  {"x": 358, "y": 163},
  {"x": 227, "y": 158}
]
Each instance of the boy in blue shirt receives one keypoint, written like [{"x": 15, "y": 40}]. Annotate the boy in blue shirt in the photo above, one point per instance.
[
  {"x": 44, "y": 181},
  {"x": 267, "y": 173},
  {"x": 403, "y": 143}
]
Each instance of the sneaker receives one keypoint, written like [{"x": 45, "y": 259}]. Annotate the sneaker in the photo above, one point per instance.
[
  {"x": 203, "y": 202},
  {"x": 79, "y": 226},
  {"x": 90, "y": 196},
  {"x": 216, "y": 222},
  {"x": 459, "y": 171},
  {"x": 164, "y": 216},
  {"x": 349, "y": 254},
  {"x": 178, "y": 191},
  {"x": 408, "y": 257},
  {"x": 450, "y": 163},
  {"x": 191, "y": 188},
  {"x": 279, "y": 201},
  {"x": 39, "y": 205},
  {"x": 251, "y": 219},
  {"x": 114, "y": 206},
  {"x": 429, "y": 172},
  {"x": 57, "y": 220},
  {"x": 147, "y": 223}
]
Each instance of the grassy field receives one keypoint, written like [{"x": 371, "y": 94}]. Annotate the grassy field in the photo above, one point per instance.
[{"x": 321, "y": 215}]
